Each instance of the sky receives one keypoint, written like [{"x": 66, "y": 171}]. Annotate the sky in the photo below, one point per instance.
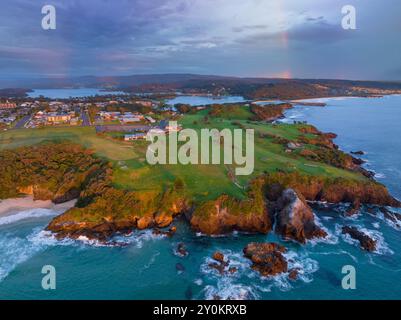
[{"x": 247, "y": 38}]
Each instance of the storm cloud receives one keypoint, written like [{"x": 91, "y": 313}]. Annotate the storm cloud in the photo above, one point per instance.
[{"x": 268, "y": 38}]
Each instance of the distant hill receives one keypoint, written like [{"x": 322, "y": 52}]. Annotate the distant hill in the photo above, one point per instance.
[{"x": 252, "y": 88}]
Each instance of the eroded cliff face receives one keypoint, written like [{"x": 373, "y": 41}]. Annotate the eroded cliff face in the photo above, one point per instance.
[
  {"x": 281, "y": 198},
  {"x": 120, "y": 211},
  {"x": 333, "y": 190},
  {"x": 227, "y": 214},
  {"x": 295, "y": 219},
  {"x": 61, "y": 172}
]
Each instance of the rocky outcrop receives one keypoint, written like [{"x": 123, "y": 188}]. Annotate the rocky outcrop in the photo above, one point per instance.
[
  {"x": 168, "y": 233},
  {"x": 181, "y": 250},
  {"x": 269, "y": 112},
  {"x": 353, "y": 208},
  {"x": 391, "y": 216},
  {"x": 267, "y": 258},
  {"x": 125, "y": 211},
  {"x": 227, "y": 214},
  {"x": 359, "y": 152},
  {"x": 219, "y": 217},
  {"x": 365, "y": 241},
  {"x": 221, "y": 264},
  {"x": 295, "y": 219},
  {"x": 333, "y": 190}
]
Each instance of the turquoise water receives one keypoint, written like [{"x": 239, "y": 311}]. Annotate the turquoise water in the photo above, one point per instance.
[
  {"x": 204, "y": 100},
  {"x": 70, "y": 93},
  {"x": 147, "y": 267}
]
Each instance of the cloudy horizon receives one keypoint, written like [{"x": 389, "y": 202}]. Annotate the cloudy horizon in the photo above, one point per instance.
[{"x": 255, "y": 38}]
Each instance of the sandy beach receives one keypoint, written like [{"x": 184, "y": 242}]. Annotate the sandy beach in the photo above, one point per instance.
[{"x": 11, "y": 206}]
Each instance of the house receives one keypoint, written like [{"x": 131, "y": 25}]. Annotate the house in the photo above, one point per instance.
[
  {"x": 144, "y": 103},
  {"x": 7, "y": 105},
  {"x": 170, "y": 128},
  {"x": 129, "y": 119},
  {"x": 135, "y": 136},
  {"x": 57, "y": 118},
  {"x": 150, "y": 119},
  {"x": 110, "y": 115},
  {"x": 74, "y": 121}
]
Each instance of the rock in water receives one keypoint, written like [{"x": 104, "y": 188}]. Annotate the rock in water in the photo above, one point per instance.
[
  {"x": 182, "y": 250},
  {"x": 267, "y": 258},
  {"x": 293, "y": 274},
  {"x": 367, "y": 243},
  {"x": 169, "y": 233},
  {"x": 295, "y": 219},
  {"x": 392, "y": 216},
  {"x": 221, "y": 264},
  {"x": 353, "y": 208},
  {"x": 218, "y": 256}
]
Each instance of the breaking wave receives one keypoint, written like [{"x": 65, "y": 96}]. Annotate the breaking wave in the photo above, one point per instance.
[
  {"x": 27, "y": 214},
  {"x": 246, "y": 283},
  {"x": 382, "y": 247}
]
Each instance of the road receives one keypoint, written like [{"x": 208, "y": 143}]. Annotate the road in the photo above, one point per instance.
[
  {"x": 85, "y": 119},
  {"x": 22, "y": 122}
]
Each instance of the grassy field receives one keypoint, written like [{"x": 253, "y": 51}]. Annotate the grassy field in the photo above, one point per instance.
[{"x": 131, "y": 171}]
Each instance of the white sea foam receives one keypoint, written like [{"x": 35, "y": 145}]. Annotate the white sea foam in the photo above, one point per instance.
[
  {"x": 304, "y": 265},
  {"x": 382, "y": 247},
  {"x": 227, "y": 283},
  {"x": 236, "y": 260},
  {"x": 15, "y": 250},
  {"x": 27, "y": 214},
  {"x": 331, "y": 238},
  {"x": 394, "y": 224},
  {"x": 226, "y": 290},
  {"x": 227, "y": 286},
  {"x": 137, "y": 238},
  {"x": 376, "y": 225},
  {"x": 44, "y": 238}
]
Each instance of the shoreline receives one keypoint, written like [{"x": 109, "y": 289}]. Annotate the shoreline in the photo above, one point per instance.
[
  {"x": 13, "y": 206},
  {"x": 341, "y": 97}
]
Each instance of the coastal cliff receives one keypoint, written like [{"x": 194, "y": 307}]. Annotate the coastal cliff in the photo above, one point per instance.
[
  {"x": 226, "y": 214},
  {"x": 119, "y": 211},
  {"x": 63, "y": 171},
  {"x": 332, "y": 190}
]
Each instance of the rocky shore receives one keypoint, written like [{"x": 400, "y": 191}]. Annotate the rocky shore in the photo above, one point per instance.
[
  {"x": 365, "y": 241},
  {"x": 277, "y": 198}
]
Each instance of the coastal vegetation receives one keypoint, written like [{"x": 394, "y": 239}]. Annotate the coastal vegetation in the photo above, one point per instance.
[{"x": 118, "y": 190}]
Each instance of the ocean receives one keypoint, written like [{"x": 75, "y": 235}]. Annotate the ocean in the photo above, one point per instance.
[{"x": 148, "y": 267}]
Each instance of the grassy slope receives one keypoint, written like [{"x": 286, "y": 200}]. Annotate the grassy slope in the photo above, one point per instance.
[{"x": 204, "y": 182}]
